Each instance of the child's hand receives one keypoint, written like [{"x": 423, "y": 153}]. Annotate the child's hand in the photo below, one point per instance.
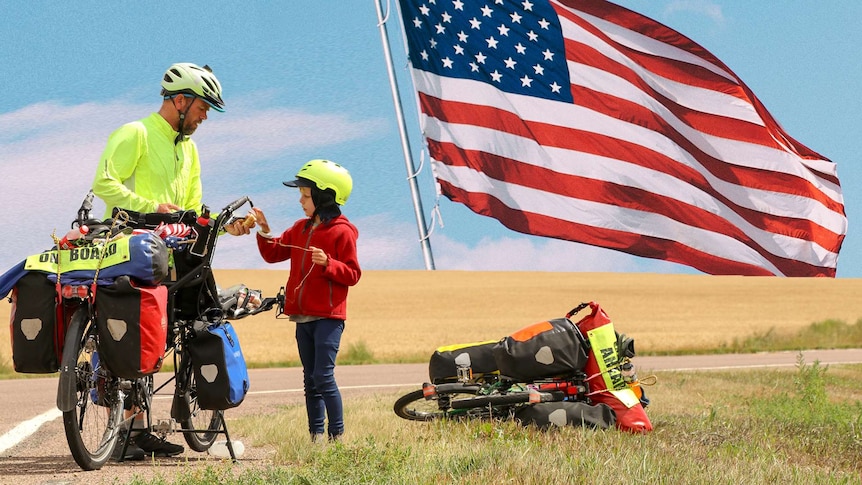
[
  {"x": 318, "y": 256},
  {"x": 261, "y": 220}
]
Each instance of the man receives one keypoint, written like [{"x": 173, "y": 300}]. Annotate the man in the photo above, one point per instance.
[{"x": 151, "y": 165}]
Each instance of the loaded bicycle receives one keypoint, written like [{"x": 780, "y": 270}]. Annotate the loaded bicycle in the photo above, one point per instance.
[
  {"x": 556, "y": 372},
  {"x": 104, "y": 314}
]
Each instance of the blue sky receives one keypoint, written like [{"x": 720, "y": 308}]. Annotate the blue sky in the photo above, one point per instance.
[{"x": 307, "y": 79}]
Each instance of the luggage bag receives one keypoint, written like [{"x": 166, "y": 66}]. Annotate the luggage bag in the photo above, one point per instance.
[
  {"x": 37, "y": 339},
  {"x": 221, "y": 375}
]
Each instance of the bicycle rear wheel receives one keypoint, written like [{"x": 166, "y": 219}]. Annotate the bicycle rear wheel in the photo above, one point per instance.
[
  {"x": 92, "y": 424},
  {"x": 415, "y": 407},
  {"x": 206, "y": 423}
]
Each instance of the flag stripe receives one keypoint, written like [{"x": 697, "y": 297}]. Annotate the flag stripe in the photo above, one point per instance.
[
  {"x": 584, "y": 136},
  {"x": 758, "y": 159},
  {"x": 534, "y": 213},
  {"x": 643, "y": 245},
  {"x": 717, "y": 113},
  {"x": 594, "y": 74},
  {"x": 679, "y": 55},
  {"x": 583, "y": 121},
  {"x": 647, "y": 198}
]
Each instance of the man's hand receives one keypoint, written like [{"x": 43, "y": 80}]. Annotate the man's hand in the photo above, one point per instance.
[
  {"x": 167, "y": 208},
  {"x": 238, "y": 228},
  {"x": 241, "y": 227}
]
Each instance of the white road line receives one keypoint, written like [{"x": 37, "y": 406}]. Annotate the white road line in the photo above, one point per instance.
[
  {"x": 22, "y": 431},
  {"x": 750, "y": 366},
  {"x": 340, "y": 388}
]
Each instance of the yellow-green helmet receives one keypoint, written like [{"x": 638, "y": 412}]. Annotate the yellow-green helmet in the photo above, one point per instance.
[
  {"x": 188, "y": 78},
  {"x": 325, "y": 174}
]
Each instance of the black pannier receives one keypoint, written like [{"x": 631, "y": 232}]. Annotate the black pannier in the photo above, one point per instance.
[
  {"x": 477, "y": 356},
  {"x": 37, "y": 339},
  {"x": 545, "y": 349}
]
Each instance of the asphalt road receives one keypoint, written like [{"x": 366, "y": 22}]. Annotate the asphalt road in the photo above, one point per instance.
[{"x": 33, "y": 447}]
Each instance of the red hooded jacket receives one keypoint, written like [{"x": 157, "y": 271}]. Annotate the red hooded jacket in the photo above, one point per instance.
[{"x": 313, "y": 289}]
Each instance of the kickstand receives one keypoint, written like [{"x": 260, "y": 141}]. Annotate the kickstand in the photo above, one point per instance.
[
  {"x": 228, "y": 442},
  {"x": 128, "y": 433}
]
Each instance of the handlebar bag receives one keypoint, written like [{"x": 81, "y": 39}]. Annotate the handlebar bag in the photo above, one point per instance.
[
  {"x": 478, "y": 356},
  {"x": 142, "y": 257},
  {"x": 37, "y": 339},
  {"x": 541, "y": 350},
  {"x": 221, "y": 376},
  {"x": 132, "y": 323}
]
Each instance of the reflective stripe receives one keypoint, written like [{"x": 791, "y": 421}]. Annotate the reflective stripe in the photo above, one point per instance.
[
  {"x": 452, "y": 348},
  {"x": 83, "y": 258},
  {"x": 604, "y": 344}
]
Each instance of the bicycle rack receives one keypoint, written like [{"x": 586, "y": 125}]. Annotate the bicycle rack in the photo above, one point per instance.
[{"x": 221, "y": 430}]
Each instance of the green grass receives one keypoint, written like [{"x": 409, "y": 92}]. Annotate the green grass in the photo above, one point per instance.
[
  {"x": 828, "y": 334},
  {"x": 791, "y": 426}
]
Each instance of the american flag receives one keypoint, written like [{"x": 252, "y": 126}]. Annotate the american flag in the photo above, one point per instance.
[{"x": 584, "y": 121}]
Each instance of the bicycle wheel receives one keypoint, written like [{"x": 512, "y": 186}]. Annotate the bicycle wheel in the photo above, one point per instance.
[
  {"x": 205, "y": 422},
  {"x": 92, "y": 424},
  {"x": 414, "y": 407}
]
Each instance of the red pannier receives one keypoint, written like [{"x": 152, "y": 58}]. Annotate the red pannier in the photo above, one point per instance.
[
  {"x": 37, "y": 338},
  {"x": 607, "y": 384},
  {"x": 132, "y": 324}
]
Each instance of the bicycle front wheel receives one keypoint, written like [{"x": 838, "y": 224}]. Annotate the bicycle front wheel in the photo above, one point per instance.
[
  {"x": 200, "y": 426},
  {"x": 415, "y": 407},
  {"x": 92, "y": 425}
]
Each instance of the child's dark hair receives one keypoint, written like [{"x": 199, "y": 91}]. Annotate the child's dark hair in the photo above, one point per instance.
[{"x": 324, "y": 205}]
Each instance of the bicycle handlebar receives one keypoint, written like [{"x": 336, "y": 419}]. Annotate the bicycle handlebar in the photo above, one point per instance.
[
  {"x": 84, "y": 211},
  {"x": 233, "y": 206},
  {"x": 224, "y": 217}
]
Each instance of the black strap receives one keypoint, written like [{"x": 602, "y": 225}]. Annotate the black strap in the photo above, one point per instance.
[{"x": 151, "y": 220}]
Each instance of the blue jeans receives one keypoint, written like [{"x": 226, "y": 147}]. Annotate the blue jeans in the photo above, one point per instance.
[{"x": 318, "y": 343}]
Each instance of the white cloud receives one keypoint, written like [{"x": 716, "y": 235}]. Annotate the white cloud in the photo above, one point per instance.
[
  {"x": 703, "y": 7},
  {"x": 522, "y": 253},
  {"x": 49, "y": 152}
]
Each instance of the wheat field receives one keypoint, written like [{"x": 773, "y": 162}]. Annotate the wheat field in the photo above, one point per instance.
[{"x": 403, "y": 315}]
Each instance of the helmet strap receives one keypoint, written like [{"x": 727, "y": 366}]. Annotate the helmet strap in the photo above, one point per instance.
[{"x": 182, "y": 118}]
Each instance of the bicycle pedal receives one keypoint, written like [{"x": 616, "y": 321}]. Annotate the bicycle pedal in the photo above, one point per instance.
[
  {"x": 429, "y": 391},
  {"x": 164, "y": 427}
]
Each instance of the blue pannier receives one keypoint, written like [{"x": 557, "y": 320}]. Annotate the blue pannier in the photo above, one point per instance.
[{"x": 221, "y": 376}]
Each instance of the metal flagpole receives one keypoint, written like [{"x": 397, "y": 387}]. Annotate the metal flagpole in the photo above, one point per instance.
[{"x": 405, "y": 143}]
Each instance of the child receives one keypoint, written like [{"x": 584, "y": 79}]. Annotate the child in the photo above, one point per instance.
[{"x": 323, "y": 264}]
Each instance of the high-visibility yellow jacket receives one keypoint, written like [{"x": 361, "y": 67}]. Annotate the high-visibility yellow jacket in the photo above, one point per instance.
[{"x": 141, "y": 167}]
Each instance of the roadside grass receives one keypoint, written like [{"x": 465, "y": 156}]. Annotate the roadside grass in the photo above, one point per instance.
[
  {"x": 827, "y": 334},
  {"x": 793, "y": 426}
]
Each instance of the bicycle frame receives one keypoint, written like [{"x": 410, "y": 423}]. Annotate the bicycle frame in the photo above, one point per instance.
[{"x": 91, "y": 398}]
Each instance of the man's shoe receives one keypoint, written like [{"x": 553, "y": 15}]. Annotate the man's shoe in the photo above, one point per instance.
[
  {"x": 133, "y": 452},
  {"x": 152, "y": 445}
]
